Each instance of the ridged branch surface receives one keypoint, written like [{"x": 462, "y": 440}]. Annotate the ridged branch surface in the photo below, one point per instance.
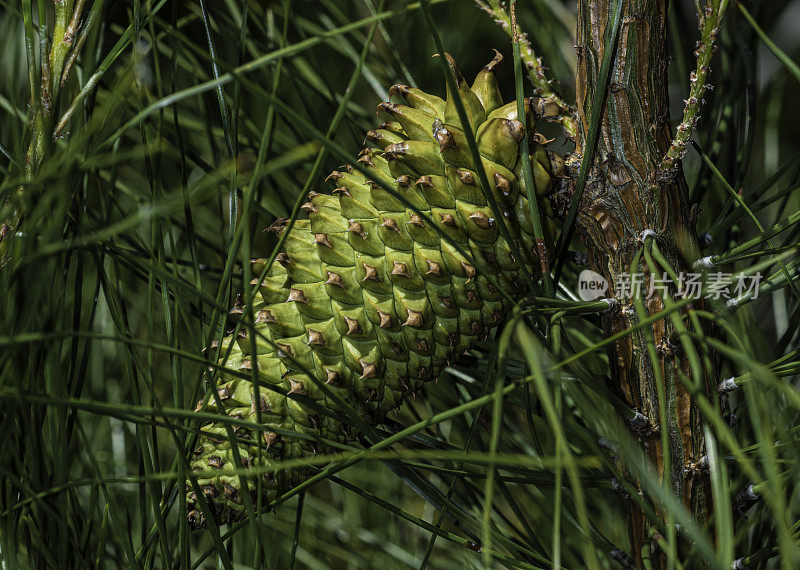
[{"x": 627, "y": 197}]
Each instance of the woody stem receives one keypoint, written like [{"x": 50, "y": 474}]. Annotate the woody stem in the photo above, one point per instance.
[{"x": 628, "y": 206}]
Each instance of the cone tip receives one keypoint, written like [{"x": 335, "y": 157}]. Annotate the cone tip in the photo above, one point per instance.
[
  {"x": 453, "y": 67},
  {"x": 496, "y": 62}
]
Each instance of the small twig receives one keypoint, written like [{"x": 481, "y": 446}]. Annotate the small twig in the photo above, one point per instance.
[
  {"x": 709, "y": 29},
  {"x": 46, "y": 82},
  {"x": 74, "y": 23},
  {"x": 58, "y": 48},
  {"x": 536, "y": 71},
  {"x": 84, "y": 34}
]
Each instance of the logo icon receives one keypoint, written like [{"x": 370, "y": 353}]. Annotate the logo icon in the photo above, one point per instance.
[{"x": 591, "y": 285}]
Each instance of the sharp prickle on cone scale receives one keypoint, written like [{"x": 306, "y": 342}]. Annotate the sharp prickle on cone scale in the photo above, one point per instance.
[{"x": 367, "y": 301}]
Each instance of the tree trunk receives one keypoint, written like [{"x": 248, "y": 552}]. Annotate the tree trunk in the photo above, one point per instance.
[{"x": 624, "y": 197}]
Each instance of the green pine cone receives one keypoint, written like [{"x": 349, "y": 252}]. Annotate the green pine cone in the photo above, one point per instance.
[{"x": 368, "y": 301}]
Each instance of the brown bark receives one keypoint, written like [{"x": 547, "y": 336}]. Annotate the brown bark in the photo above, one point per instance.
[{"x": 626, "y": 195}]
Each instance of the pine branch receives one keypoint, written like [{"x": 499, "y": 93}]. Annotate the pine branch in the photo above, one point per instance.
[
  {"x": 543, "y": 87},
  {"x": 52, "y": 75},
  {"x": 709, "y": 30}
]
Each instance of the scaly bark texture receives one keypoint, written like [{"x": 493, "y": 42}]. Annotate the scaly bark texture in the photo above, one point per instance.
[{"x": 625, "y": 196}]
